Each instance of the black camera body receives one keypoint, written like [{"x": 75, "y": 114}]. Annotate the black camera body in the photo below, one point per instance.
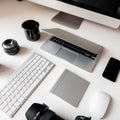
[
  {"x": 81, "y": 117},
  {"x": 41, "y": 112}
]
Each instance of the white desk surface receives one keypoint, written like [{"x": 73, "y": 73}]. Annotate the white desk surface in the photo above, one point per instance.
[{"x": 12, "y": 14}]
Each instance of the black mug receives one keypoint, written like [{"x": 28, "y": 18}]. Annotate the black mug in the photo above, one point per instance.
[{"x": 31, "y": 28}]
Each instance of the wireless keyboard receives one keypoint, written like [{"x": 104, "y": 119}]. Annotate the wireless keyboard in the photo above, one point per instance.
[{"x": 23, "y": 82}]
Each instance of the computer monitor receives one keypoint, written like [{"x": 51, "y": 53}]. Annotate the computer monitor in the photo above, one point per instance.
[{"x": 105, "y": 12}]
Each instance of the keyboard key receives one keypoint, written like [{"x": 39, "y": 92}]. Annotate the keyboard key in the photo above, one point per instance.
[{"x": 23, "y": 82}]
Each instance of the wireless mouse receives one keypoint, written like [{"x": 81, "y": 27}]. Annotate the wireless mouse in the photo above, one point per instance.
[{"x": 99, "y": 104}]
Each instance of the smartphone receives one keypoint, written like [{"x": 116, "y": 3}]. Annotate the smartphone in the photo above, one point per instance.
[{"x": 112, "y": 69}]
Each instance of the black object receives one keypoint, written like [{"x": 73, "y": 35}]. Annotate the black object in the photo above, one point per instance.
[
  {"x": 112, "y": 69},
  {"x": 106, "y": 7},
  {"x": 41, "y": 112},
  {"x": 31, "y": 28},
  {"x": 10, "y": 46},
  {"x": 82, "y": 118},
  {"x": 74, "y": 47},
  {"x": 118, "y": 11}
]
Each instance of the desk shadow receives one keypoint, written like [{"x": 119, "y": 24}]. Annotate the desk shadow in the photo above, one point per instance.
[
  {"x": 108, "y": 112},
  {"x": 5, "y": 71},
  {"x": 15, "y": 11},
  {"x": 43, "y": 36},
  {"x": 23, "y": 51}
]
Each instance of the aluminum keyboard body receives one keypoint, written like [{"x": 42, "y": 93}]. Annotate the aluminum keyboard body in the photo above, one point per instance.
[{"x": 23, "y": 82}]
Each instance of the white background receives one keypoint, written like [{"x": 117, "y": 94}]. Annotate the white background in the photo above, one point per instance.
[{"x": 12, "y": 15}]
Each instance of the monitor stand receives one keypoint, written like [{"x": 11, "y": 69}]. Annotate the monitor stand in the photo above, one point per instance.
[{"x": 67, "y": 20}]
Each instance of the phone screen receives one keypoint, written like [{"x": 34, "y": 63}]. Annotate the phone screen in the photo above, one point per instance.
[{"x": 112, "y": 69}]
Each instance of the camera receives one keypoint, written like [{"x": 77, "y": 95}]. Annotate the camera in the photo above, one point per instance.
[
  {"x": 81, "y": 117},
  {"x": 41, "y": 112}
]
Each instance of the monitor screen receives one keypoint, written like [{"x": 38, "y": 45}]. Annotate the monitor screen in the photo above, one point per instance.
[
  {"x": 104, "y": 12},
  {"x": 107, "y": 7}
]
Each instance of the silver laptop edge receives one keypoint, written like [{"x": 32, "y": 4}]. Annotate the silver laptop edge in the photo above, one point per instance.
[
  {"x": 69, "y": 55},
  {"x": 79, "y": 41}
]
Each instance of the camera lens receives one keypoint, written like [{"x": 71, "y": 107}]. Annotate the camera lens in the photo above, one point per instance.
[
  {"x": 41, "y": 112},
  {"x": 35, "y": 111},
  {"x": 10, "y": 46},
  {"x": 82, "y": 118}
]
